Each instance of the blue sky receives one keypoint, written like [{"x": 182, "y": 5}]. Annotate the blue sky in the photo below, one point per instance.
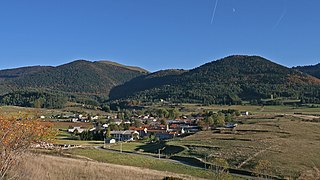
[{"x": 158, "y": 34}]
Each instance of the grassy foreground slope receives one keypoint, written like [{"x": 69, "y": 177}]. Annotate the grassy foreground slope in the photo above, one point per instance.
[
  {"x": 53, "y": 167},
  {"x": 140, "y": 161}
]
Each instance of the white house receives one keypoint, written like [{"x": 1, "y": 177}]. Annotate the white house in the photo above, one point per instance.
[
  {"x": 94, "y": 117},
  {"x": 244, "y": 113},
  {"x": 128, "y": 135},
  {"x": 109, "y": 141},
  {"x": 78, "y": 129}
]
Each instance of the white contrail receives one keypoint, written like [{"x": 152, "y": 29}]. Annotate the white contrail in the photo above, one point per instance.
[
  {"x": 282, "y": 15},
  {"x": 280, "y": 18},
  {"x": 214, "y": 11}
]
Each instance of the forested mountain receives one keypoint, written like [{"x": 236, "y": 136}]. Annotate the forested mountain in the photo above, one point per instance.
[
  {"x": 148, "y": 81},
  {"x": 133, "y": 68},
  {"x": 75, "y": 80},
  {"x": 18, "y": 72},
  {"x": 231, "y": 80},
  {"x": 312, "y": 70},
  {"x": 227, "y": 81}
]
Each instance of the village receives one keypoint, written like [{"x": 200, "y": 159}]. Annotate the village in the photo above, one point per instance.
[{"x": 112, "y": 129}]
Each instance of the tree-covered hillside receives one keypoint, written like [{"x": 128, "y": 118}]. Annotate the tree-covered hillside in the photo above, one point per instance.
[
  {"x": 78, "y": 81},
  {"x": 227, "y": 81},
  {"x": 18, "y": 72},
  {"x": 312, "y": 70},
  {"x": 141, "y": 83},
  {"x": 80, "y": 77}
]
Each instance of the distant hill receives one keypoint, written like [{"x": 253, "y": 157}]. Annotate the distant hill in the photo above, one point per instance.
[
  {"x": 18, "y": 72},
  {"x": 313, "y": 70},
  {"x": 230, "y": 80},
  {"x": 133, "y": 68},
  {"x": 76, "y": 80},
  {"x": 148, "y": 81}
]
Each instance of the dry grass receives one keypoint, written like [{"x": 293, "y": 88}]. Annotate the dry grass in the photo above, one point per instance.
[
  {"x": 291, "y": 146},
  {"x": 58, "y": 168}
]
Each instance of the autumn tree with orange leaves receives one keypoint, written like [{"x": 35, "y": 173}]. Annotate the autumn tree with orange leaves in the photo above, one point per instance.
[{"x": 16, "y": 138}]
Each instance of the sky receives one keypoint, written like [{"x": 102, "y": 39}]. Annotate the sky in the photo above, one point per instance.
[{"x": 158, "y": 34}]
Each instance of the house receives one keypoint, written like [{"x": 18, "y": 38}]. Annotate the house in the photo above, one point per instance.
[
  {"x": 109, "y": 141},
  {"x": 244, "y": 113},
  {"x": 231, "y": 125},
  {"x": 94, "y": 117},
  {"x": 128, "y": 135},
  {"x": 166, "y": 135},
  {"x": 74, "y": 119},
  {"x": 190, "y": 129},
  {"x": 143, "y": 131},
  {"x": 126, "y": 122},
  {"x": 76, "y": 129}
]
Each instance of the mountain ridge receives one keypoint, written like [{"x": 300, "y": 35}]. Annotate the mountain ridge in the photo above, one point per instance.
[
  {"x": 313, "y": 70},
  {"x": 98, "y": 78},
  {"x": 229, "y": 80}
]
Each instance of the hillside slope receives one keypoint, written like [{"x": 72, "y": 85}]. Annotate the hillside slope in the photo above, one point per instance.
[
  {"x": 80, "y": 77},
  {"x": 313, "y": 70},
  {"x": 228, "y": 81},
  {"x": 142, "y": 83},
  {"x": 18, "y": 72}
]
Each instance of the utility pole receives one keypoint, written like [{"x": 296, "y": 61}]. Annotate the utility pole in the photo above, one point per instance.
[
  {"x": 205, "y": 162},
  {"x": 159, "y": 153},
  {"x": 120, "y": 147}
]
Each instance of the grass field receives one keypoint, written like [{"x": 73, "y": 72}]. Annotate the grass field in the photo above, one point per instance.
[
  {"x": 289, "y": 143},
  {"x": 193, "y": 108},
  {"x": 34, "y": 167},
  {"x": 140, "y": 161},
  {"x": 291, "y": 147},
  {"x": 23, "y": 112}
]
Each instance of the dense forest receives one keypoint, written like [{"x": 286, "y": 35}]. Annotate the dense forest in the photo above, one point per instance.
[
  {"x": 34, "y": 99},
  {"x": 19, "y": 72},
  {"x": 311, "y": 70},
  {"x": 231, "y": 80},
  {"x": 79, "y": 77}
]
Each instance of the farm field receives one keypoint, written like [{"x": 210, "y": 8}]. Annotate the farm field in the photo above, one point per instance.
[
  {"x": 23, "y": 112},
  {"x": 291, "y": 146},
  {"x": 284, "y": 136},
  {"x": 279, "y": 109}
]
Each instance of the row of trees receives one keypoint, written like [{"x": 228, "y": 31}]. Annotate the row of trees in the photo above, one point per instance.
[
  {"x": 218, "y": 119},
  {"x": 92, "y": 135},
  {"x": 34, "y": 99}
]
